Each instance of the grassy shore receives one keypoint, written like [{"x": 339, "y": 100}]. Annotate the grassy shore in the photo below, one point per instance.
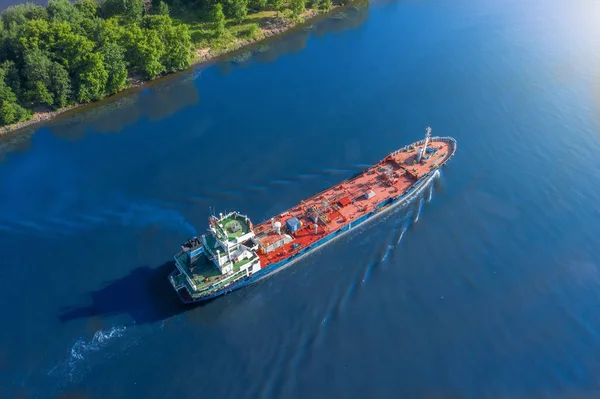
[
  {"x": 208, "y": 46},
  {"x": 255, "y": 27}
]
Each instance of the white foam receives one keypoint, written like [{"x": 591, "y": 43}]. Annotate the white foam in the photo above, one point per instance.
[
  {"x": 419, "y": 210},
  {"x": 81, "y": 348},
  {"x": 401, "y": 235},
  {"x": 387, "y": 252}
]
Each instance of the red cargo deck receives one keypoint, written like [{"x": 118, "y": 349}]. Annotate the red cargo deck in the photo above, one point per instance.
[{"x": 348, "y": 200}]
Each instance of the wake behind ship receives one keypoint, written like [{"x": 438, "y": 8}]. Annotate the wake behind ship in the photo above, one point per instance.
[{"x": 234, "y": 253}]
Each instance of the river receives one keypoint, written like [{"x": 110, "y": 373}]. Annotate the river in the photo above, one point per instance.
[{"x": 485, "y": 287}]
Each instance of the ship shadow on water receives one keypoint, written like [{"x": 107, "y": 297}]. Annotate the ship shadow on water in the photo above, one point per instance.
[{"x": 144, "y": 294}]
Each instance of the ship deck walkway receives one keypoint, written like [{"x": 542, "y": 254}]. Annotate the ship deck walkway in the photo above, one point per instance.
[{"x": 199, "y": 270}]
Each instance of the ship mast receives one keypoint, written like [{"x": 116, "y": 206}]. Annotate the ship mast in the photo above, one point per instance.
[{"x": 422, "y": 152}]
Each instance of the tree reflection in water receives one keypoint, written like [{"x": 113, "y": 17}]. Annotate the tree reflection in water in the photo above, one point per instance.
[
  {"x": 345, "y": 18},
  {"x": 164, "y": 97}
]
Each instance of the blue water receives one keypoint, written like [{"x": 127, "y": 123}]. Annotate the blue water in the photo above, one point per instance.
[{"x": 487, "y": 286}]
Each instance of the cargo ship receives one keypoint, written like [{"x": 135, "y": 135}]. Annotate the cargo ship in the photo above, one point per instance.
[{"x": 234, "y": 253}]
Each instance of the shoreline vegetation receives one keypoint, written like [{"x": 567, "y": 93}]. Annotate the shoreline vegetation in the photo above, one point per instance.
[{"x": 57, "y": 58}]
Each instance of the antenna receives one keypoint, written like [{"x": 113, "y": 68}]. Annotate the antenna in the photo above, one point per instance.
[{"x": 422, "y": 152}]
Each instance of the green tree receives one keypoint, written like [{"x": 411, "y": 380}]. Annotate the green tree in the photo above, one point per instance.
[
  {"x": 12, "y": 113},
  {"x": 35, "y": 34},
  {"x": 297, "y": 7},
  {"x": 91, "y": 28},
  {"x": 178, "y": 6},
  {"x": 116, "y": 66},
  {"x": 326, "y": 5},
  {"x": 71, "y": 50},
  {"x": 130, "y": 39},
  {"x": 151, "y": 50},
  {"x": 87, "y": 8},
  {"x": 163, "y": 8},
  {"x": 176, "y": 39},
  {"x": 110, "y": 32},
  {"x": 63, "y": 10},
  {"x": 179, "y": 44},
  {"x": 60, "y": 85},
  {"x": 21, "y": 13},
  {"x": 80, "y": 51},
  {"x": 143, "y": 50},
  {"x": 237, "y": 9},
  {"x": 111, "y": 8},
  {"x": 258, "y": 5},
  {"x": 10, "y": 45},
  {"x": 10, "y": 110},
  {"x": 218, "y": 19},
  {"x": 47, "y": 82},
  {"x": 35, "y": 12},
  {"x": 76, "y": 54},
  {"x": 129, "y": 10},
  {"x": 37, "y": 72},
  {"x": 278, "y": 5},
  {"x": 91, "y": 78},
  {"x": 133, "y": 10},
  {"x": 11, "y": 77},
  {"x": 314, "y": 4}
]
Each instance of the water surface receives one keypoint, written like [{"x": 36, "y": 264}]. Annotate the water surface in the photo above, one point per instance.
[{"x": 486, "y": 287}]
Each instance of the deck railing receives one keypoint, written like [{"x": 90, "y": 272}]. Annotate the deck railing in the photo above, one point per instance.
[
  {"x": 223, "y": 283},
  {"x": 212, "y": 288},
  {"x": 445, "y": 139},
  {"x": 181, "y": 268}
]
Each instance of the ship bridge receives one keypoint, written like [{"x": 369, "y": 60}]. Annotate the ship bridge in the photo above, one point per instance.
[
  {"x": 227, "y": 253},
  {"x": 230, "y": 244}
]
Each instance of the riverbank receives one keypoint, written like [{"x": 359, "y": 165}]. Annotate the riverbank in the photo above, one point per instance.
[{"x": 270, "y": 25}]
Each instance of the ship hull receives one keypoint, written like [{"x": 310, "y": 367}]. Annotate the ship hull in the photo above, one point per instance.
[{"x": 381, "y": 208}]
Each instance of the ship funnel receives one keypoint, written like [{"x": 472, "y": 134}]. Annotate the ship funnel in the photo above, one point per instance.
[
  {"x": 316, "y": 228},
  {"x": 277, "y": 226}
]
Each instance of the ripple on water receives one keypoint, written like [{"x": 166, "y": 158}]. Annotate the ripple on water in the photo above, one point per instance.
[{"x": 85, "y": 353}]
